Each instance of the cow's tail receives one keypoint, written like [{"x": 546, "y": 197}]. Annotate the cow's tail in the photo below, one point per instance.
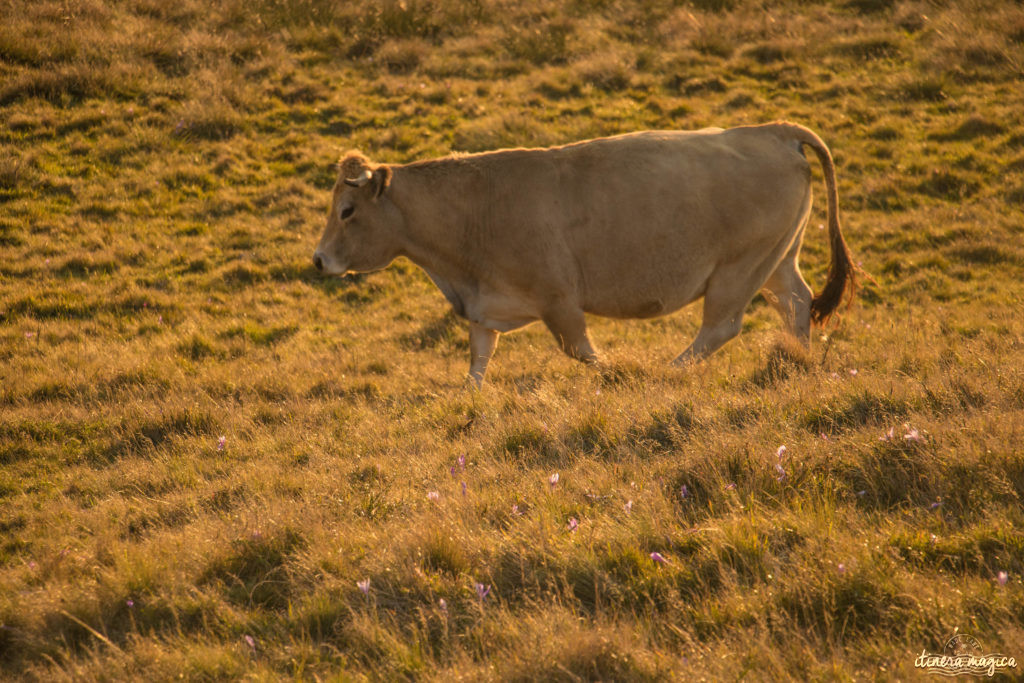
[{"x": 841, "y": 271}]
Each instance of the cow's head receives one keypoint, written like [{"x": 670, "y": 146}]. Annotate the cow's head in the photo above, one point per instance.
[{"x": 361, "y": 227}]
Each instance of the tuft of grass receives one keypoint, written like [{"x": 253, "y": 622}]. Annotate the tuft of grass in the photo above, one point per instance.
[
  {"x": 605, "y": 72},
  {"x": 506, "y": 130},
  {"x": 948, "y": 185},
  {"x": 211, "y": 119},
  {"x": 14, "y": 174},
  {"x": 972, "y": 128},
  {"x": 714, "y": 41},
  {"x": 402, "y": 57},
  {"x": 925, "y": 88},
  {"x": 870, "y": 6},
  {"x": 67, "y": 84},
  {"x": 546, "y": 44},
  {"x": 254, "y": 571},
  {"x": 784, "y": 360}
]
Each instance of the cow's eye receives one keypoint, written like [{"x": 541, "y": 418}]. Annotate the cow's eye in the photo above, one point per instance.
[{"x": 347, "y": 212}]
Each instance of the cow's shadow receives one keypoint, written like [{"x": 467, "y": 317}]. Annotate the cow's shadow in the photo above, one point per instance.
[
  {"x": 353, "y": 288},
  {"x": 447, "y": 331}
]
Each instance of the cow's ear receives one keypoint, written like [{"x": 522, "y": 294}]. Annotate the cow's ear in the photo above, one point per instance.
[{"x": 381, "y": 180}]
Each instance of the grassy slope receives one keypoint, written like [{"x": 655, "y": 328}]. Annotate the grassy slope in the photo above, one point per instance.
[{"x": 163, "y": 177}]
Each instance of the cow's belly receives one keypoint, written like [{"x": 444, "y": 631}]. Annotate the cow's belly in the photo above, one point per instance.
[
  {"x": 500, "y": 311},
  {"x": 644, "y": 277},
  {"x": 647, "y": 296}
]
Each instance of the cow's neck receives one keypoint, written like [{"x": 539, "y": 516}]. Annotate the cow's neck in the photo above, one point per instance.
[{"x": 436, "y": 232}]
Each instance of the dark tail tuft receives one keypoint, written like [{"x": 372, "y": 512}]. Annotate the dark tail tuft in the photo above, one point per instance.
[
  {"x": 841, "y": 280},
  {"x": 841, "y": 272}
]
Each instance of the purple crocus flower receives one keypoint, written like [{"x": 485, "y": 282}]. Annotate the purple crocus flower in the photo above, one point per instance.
[
  {"x": 628, "y": 506},
  {"x": 553, "y": 480},
  {"x": 658, "y": 557},
  {"x": 222, "y": 442},
  {"x": 364, "y": 586},
  {"x": 462, "y": 462},
  {"x": 1002, "y": 578},
  {"x": 482, "y": 591},
  {"x": 730, "y": 486},
  {"x": 684, "y": 492},
  {"x": 573, "y": 524}
]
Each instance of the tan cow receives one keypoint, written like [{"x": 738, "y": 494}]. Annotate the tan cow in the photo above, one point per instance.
[{"x": 632, "y": 226}]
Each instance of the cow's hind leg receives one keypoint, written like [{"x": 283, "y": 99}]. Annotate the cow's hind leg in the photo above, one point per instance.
[
  {"x": 728, "y": 293},
  {"x": 482, "y": 341},
  {"x": 721, "y": 323},
  {"x": 730, "y": 289},
  {"x": 570, "y": 329},
  {"x": 791, "y": 297}
]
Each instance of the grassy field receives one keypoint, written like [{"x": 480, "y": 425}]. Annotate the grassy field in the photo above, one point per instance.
[{"x": 216, "y": 465}]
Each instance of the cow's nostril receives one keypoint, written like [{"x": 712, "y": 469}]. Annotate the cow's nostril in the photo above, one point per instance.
[{"x": 318, "y": 262}]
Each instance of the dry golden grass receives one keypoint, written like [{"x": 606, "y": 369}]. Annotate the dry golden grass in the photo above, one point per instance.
[{"x": 164, "y": 173}]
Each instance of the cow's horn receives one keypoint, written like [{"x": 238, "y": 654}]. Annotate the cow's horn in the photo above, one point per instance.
[{"x": 361, "y": 180}]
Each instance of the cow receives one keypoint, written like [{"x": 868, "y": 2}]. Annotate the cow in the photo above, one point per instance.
[{"x": 629, "y": 226}]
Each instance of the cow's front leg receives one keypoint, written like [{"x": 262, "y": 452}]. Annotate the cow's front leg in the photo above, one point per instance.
[
  {"x": 570, "y": 329},
  {"x": 482, "y": 341}
]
